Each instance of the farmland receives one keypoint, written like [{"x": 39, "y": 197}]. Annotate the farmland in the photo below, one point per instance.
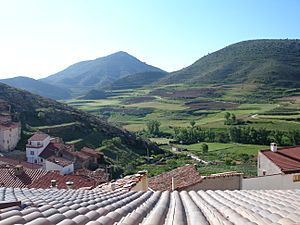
[{"x": 179, "y": 106}]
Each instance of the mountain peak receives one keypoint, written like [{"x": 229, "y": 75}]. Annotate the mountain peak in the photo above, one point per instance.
[{"x": 84, "y": 76}]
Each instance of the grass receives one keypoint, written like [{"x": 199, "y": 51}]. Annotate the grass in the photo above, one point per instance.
[
  {"x": 173, "y": 113},
  {"x": 234, "y": 148},
  {"x": 158, "y": 105}
]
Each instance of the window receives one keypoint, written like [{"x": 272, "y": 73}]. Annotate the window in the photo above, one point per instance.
[
  {"x": 42, "y": 160},
  {"x": 31, "y": 152}
]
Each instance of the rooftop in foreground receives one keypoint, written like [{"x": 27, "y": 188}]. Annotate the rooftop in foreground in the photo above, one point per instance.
[{"x": 95, "y": 207}]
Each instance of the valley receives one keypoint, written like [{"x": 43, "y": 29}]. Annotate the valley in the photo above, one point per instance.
[{"x": 204, "y": 107}]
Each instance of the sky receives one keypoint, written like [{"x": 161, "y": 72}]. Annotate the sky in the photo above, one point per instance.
[{"x": 41, "y": 37}]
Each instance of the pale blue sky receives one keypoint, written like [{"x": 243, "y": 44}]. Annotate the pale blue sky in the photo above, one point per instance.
[{"x": 41, "y": 37}]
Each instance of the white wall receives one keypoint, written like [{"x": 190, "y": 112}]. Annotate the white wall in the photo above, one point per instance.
[
  {"x": 36, "y": 147},
  {"x": 50, "y": 166},
  {"x": 265, "y": 164},
  {"x": 272, "y": 182}
]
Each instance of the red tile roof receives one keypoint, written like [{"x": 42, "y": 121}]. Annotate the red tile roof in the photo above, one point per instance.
[
  {"x": 38, "y": 136},
  {"x": 183, "y": 177},
  {"x": 8, "y": 177},
  {"x": 79, "y": 181},
  {"x": 287, "y": 159},
  {"x": 51, "y": 149},
  {"x": 59, "y": 161},
  {"x": 13, "y": 162},
  {"x": 100, "y": 176},
  {"x": 90, "y": 152}
]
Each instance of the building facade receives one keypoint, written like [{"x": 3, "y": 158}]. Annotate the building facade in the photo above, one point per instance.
[{"x": 35, "y": 146}]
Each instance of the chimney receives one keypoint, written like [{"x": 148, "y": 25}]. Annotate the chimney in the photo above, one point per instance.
[
  {"x": 173, "y": 184},
  {"x": 273, "y": 147},
  {"x": 19, "y": 170},
  {"x": 144, "y": 180},
  {"x": 69, "y": 184},
  {"x": 53, "y": 184}
]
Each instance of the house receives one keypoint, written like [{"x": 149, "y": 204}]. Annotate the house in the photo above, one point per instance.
[
  {"x": 95, "y": 207},
  {"x": 277, "y": 168},
  {"x": 278, "y": 160},
  {"x": 54, "y": 154},
  {"x": 188, "y": 178},
  {"x": 35, "y": 146},
  {"x": 40, "y": 150},
  {"x": 10, "y": 132}
]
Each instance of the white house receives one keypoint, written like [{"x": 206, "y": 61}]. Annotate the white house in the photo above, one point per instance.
[{"x": 35, "y": 146}]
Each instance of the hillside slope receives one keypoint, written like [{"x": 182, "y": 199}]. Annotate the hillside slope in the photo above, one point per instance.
[
  {"x": 37, "y": 87},
  {"x": 84, "y": 76},
  {"x": 137, "y": 80},
  {"x": 272, "y": 62},
  {"x": 57, "y": 119}
]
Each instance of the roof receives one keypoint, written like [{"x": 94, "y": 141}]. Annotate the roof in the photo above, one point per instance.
[
  {"x": 99, "y": 175},
  {"x": 10, "y": 125},
  {"x": 79, "y": 181},
  {"x": 12, "y": 162},
  {"x": 90, "y": 152},
  {"x": 183, "y": 177},
  {"x": 287, "y": 159},
  {"x": 126, "y": 183},
  {"x": 38, "y": 136},
  {"x": 51, "y": 149},
  {"x": 93, "y": 207},
  {"x": 8, "y": 177},
  {"x": 59, "y": 161}
]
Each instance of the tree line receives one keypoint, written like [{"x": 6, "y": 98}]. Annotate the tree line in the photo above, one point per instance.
[{"x": 238, "y": 134}]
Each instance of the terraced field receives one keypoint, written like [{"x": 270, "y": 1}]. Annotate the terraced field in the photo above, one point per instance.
[{"x": 176, "y": 106}]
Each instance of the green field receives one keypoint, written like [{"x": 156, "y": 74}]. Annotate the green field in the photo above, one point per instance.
[{"x": 246, "y": 102}]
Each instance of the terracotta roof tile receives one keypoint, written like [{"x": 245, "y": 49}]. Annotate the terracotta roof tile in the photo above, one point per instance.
[
  {"x": 94, "y": 207},
  {"x": 79, "y": 181},
  {"x": 126, "y": 183},
  {"x": 59, "y": 161},
  {"x": 38, "y": 136},
  {"x": 90, "y": 151},
  {"x": 51, "y": 149},
  {"x": 183, "y": 177},
  {"x": 8, "y": 177},
  {"x": 287, "y": 159},
  {"x": 12, "y": 162}
]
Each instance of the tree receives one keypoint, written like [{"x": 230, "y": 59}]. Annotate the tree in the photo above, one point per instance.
[
  {"x": 227, "y": 116},
  {"x": 153, "y": 127},
  {"x": 204, "y": 148},
  {"x": 192, "y": 123}
]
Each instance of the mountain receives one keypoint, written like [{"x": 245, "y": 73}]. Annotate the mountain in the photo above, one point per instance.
[
  {"x": 87, "y": 75},
  {"x": 96, "y": 94},
  {"x": 73, "y": 125},
  {"x": 271, "y": 62},
  {"x": 137, "y": 80},
  {"x": 37, "y": 87}
]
